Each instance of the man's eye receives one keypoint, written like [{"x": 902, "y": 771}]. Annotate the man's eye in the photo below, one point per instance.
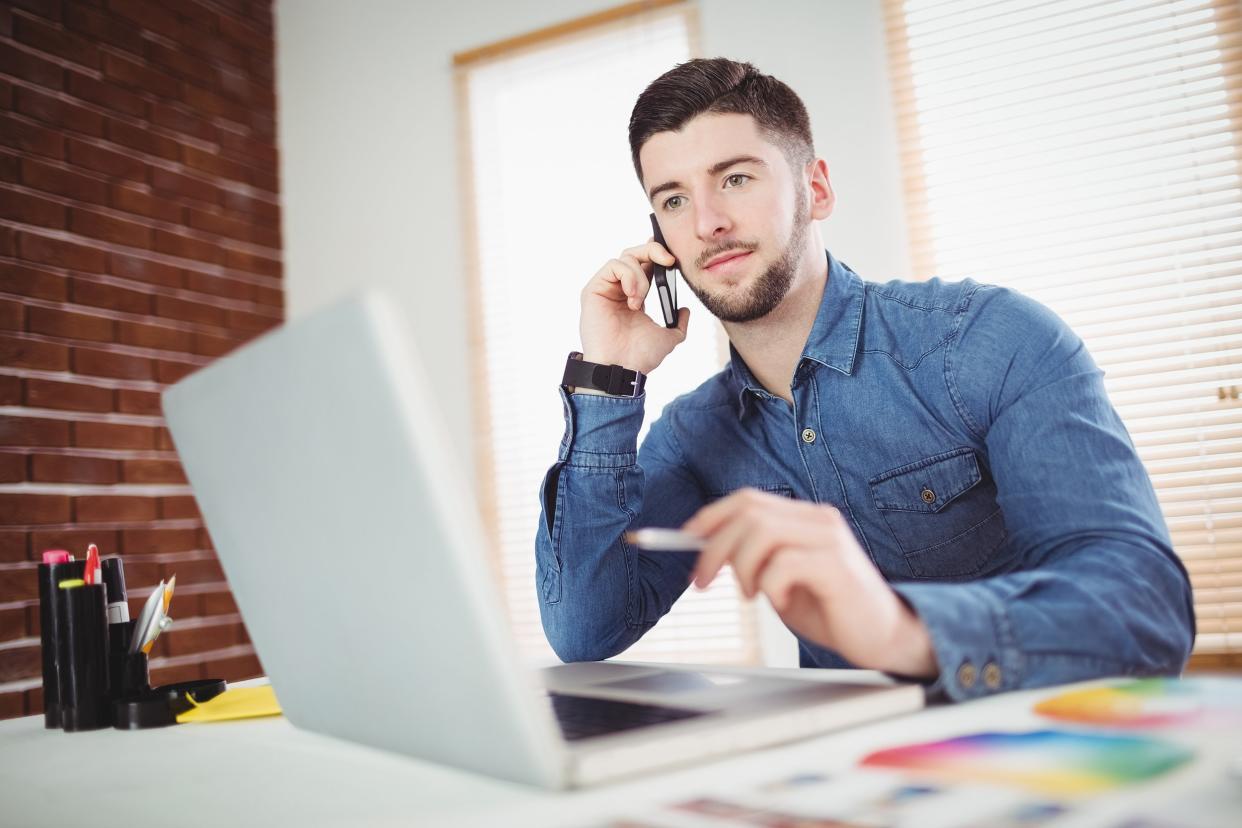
[
  {"x": 736, "y": 180},
  {"x": 673, "y": 202}
]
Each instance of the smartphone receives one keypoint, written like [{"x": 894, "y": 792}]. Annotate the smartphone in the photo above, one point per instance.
[{"x": 665, "y": 282}]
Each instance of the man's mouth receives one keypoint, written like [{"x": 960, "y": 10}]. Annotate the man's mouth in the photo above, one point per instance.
[{"x": 726, "y": 261}]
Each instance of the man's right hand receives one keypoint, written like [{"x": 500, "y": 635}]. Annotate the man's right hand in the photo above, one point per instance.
[{"x": 615, "y": 329}]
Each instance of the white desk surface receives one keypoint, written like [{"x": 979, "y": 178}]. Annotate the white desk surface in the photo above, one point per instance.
[{"x": 266, "y": 772}]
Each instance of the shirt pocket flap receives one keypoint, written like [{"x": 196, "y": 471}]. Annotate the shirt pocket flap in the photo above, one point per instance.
[{"x": 927, "y": 485}]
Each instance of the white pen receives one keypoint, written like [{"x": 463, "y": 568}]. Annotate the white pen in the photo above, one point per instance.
[{"x": 664, "y": 540}]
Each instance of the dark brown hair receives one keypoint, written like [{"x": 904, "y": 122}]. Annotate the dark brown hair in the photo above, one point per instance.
[{"x": 720, "y": 85}]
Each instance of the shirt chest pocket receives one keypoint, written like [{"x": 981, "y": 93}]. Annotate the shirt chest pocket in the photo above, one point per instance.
[{"x": 943, "y": 514}]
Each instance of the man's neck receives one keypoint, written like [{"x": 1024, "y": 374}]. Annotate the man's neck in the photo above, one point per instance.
[{"x": 772, "y": 346}]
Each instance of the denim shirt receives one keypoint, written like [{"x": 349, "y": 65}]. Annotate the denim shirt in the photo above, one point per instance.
[{"x": 964, "y": 433}]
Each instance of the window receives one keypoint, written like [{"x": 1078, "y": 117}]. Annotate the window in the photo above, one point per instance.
[
  {"x": 1087, "y": 153},
  {"x": 554, "y": 196}
]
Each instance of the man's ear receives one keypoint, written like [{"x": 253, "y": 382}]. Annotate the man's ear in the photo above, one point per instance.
[{"x": 822, "y": 197}]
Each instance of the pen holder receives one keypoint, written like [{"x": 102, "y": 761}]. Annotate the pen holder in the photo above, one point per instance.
[
  {"x": 82, "y": 657},
  {"x": 128, "y": 674},
  {"x": 50, "y": 596}
]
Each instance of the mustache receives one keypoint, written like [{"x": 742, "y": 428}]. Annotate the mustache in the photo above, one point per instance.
[{"x": 711, "y": 253}]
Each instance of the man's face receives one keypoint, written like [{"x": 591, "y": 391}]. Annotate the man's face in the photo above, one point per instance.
[{"x": 731, "y": 211}]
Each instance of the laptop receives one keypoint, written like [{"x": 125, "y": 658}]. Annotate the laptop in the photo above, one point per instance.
[{"x": 354, "y": 548}]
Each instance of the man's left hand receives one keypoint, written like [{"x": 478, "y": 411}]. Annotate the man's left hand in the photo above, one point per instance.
[{"x": 805, "y": 559}]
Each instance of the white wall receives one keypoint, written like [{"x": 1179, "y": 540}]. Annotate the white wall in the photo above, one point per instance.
[{"x": 369, "y": 155}]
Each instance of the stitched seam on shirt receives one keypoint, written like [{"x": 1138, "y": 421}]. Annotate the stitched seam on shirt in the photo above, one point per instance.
[
  {"x": 959, "y": 405},
  {"x": 922, "y": 356},
  {"x": 903, "y": 301},
  {"x": 840, "y": 482},
  {"x": 627, "y": 554}
]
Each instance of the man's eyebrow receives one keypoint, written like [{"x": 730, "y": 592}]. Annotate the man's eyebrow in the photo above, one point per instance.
[{"x": 714, "y": 169}]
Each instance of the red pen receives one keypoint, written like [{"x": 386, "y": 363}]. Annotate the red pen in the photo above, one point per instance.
[{"x": 91, "y": 572}]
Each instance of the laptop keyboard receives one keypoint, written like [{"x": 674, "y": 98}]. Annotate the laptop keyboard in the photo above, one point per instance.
[{"x": 581, "y": 717}]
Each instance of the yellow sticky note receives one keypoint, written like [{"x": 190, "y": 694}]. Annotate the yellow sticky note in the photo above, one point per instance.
[{"x": 235, "y": 703}]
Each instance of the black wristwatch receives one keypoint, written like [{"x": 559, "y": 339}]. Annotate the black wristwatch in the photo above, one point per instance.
[{"x": 611, "y": 379}]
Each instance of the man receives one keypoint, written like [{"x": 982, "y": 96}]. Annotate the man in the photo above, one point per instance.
[{"x": 924, "y": 478}]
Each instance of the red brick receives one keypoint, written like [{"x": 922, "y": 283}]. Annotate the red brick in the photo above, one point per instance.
[
  {"x": 202, "y": 637},
  {"x": 33, "y": 431},
  {"x": 14, "y": 546},
  {"x": 270, "y": 296},
  {"x": 202, "y": 18},
  {"x": 221, "y": 225},
  {"x": 49, "y": 9},
  {"x": 70, "y": 396},
  {"x": 237, "y": 668},
  {"x": 109, "y": 228},
  {"x": 161, "y": 337},
  {"x": 111, "y": 364},
  {"x": 10, "y": 390},
  {"x": 264, "y": 212},
  {"x": 179, "y": 508},
  {"x": 8, "y": 241},
  {"x": 24, "y": 135},
  {"x": 203, "y": 571},
  {"x": 173, "y": 673},
  {"x": 167, "y": 181},
  {"x": 163, "y": 440},
  {"x": 221, "y": 50},
  {"x": 10, "y": 164},
  {"x": 144, "y": 270},
  {"x": 203, "y": 314},
  {"x": 265, "y": 236},
  {"x": 152, "y": 471},
  {"x": 178, "y": 120},
  {"x": 131, "y": 401},
  {"x": 245, "y": 321},
  {"x": 59, "y": 253},
  {"x": 58, "y": 112},
  {"x": 28, "y": 281},
  {"x": 204, "y": 100},
  {"x": 69, "y": 325},
  {"x": 66, "y": 468},
  {"x": 150, "y": 16},
  {"x": 100, "y": 295},
  {"x": 113, "y": 436},
  {"x": 208, "y": 345},
  {"x": 142, "y": 202},
  {"x": 263, "y": 179},
  {"x": 27, "y": 66},
  {"x": 31, "y": 209},
  {"x": 102, "y": 27},
  {"x": 219, "y": 285},
  {"x": 25, "y": 509},
  {"x": 213, "y": 163},
  {"x": 106, "y": 161},
  {"x": 218, "y": 603},
  {"x": 245, "y": 36},
  {"x": 105, "y": 94},
  {"x": 45, "y": 38},
  {"x": 142, "y": 138},
  {"x": 20, "y": 662},
  {"x": 140, "y": 576},
  {"x": 14, "y": 468},
  {"x": 75, "y": 539},
  {"x": 34, "y": 700},
  {"x": 63, "y": 182},
  {"x": 241, "y": 260},
  {"x": 161, "y": 541},
  {"x": 28, "y": 353},
  {"x": 170, "y": 372},
  {"x": 143, "y": 78},
  {"x": 175, "y": 244},
  {"x": 13, "y": 623},
  {"x": 114, "y": 509},
  {"x": 12, "y": 315}
]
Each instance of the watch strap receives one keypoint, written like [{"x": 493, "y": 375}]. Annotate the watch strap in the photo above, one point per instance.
[{"x": 611, "y": 379}]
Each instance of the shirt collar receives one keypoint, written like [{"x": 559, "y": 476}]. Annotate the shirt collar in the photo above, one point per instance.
[{"x": 833, "y": 341}]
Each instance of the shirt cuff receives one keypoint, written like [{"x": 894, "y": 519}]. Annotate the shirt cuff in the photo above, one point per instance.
[
  {"x": 971, "y": 635},
  {"x": 600, "y": 431}
]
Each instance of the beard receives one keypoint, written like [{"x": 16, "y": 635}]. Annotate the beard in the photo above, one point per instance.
[{"x": 769, "y": 289}]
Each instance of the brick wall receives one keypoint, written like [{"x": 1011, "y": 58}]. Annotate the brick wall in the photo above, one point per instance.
[{"x": 139, "y": 239}]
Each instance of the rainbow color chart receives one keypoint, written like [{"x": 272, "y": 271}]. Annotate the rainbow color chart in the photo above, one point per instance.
[
  {"x": 1054, "y": 762},
  {"x": 1154, "y": 702}
]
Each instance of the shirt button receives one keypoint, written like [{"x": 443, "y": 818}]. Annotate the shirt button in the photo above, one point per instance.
[
  {"x": 928, "y": 496},
  {"x": 966, "y": 675},
  {"x": 992, "y": 676},
  {"x": 808, "y": 435}
]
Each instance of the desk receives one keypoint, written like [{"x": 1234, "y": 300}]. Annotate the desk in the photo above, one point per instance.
[{"x": 266, "y": 772}]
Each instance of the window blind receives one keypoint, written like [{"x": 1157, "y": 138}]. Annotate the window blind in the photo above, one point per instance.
[
  {"x": 1087, "y": 153},
  {"x": 553, "y": 197}
]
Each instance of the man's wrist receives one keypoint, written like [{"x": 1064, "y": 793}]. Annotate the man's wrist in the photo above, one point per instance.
[{"x": 609, "y": 379}]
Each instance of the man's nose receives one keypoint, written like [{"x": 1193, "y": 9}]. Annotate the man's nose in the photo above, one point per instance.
[{"x": 711, "y": 222}]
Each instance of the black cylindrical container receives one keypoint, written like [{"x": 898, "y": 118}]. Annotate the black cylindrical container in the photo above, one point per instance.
[
  {"x": 83, "y": 658},
  {"x": 50, "y": 575},
  {"x": 113, "y": 572},
  {"x": 127, "y": 672}
]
